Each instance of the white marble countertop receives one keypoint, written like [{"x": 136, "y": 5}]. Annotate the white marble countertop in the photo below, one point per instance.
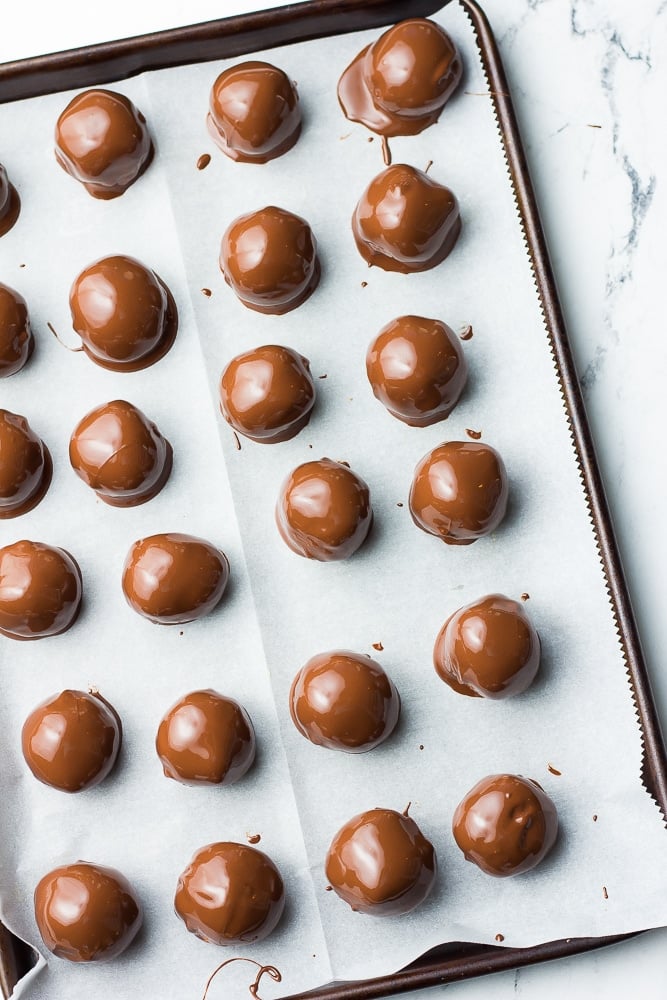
[{"x": 588, "y": 79}]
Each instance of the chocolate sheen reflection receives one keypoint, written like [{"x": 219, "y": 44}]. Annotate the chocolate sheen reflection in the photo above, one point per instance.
[
  {"x": 25, "y": 466},
  {"x": 10, "y": 203},
  {"x": 40, "y": 590},
  {"x": 16, "y": 340}
]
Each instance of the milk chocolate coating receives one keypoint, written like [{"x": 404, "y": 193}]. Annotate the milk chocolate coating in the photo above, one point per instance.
[
  {"x": 269, "y": 259},
  {"x": 120, "y": 454},
  {"x": 40, "y": 590},
  {"x": 505, "y": 825},
  {"x": 71, "y": 741},
  {"x": 254, "y": 112},
  {"x": 124, "y": 313},
  {"x": 102, "y": 141},
  {"x": 400, "y": 84},
  {"x": 405, "y": 222},
  {"x": 267, "y": 394},
  {"x": 324, "y": 511},
  {"x": 488, "y": 649},
  {"x": 25, "y": 466},
  {"x": 16, "y": 340},
  {"x": 172, "y": 578},
  {"x": 10, "y": 203},
  {"x": 86, "y": 913},
  {"x": 459, "y": 492},
  {"x": 381, "y": 863},
  {"x": 230, "y": 894},
  {"x": 206, "y": 738},
  {"x": 344, "y": 701},
  {"x": 417, "y": 369}
]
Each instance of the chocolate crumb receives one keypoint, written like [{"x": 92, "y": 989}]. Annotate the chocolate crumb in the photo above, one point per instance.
[
  {"x": 207, "y": 292},
  {"x": 466, "y": 333},
  {"x": 310, "y": 446},
  {"x": 604, "y": 892},
  {"x": 500, "y": 937},
  {"x": 181, "y": 633},
  {"x": 321, "y": 376},
  {"x": 595, "y": 817},
  {"x": 399, "y": 504},
  {"x": 428, "y": 166},
  {"x": 554, "y": 770},
  {"x": 370, "y": 138},
  {"x": 475, "y": 435},
  {"x": 364, "y": 284},
  {"x": 378, "y": 646},
  {"x": 593, "y": 126},
  {"x": 328, "y": 888},
  {"x": 93, "y": 690},
  {"x": 236, "y": 439},
  {"x": 21, "y": 265},
  {"x": 421, "y": 746},
  {"x": 203, "y": 161},
  {"x": 253, "y": 838},
  {"x": 525, "y": 596}
]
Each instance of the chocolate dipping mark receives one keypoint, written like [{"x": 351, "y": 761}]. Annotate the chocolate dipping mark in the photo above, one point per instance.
[
  {"x": 237, "y": 440},
  {"x": 552, "y": 770},
  {"x": 253, "y": 838},
  {"x": 475, "y": 435},
  {"x": 428, "y": 166},
  {"x": 72, "y": 350},
  {"x": 386, "y": 152},
  {"x": 406, "y": 810},
  {"x": 378, "y": 646},
  {"x": 253, "y": 989},
  {"x": 466, "y": 333},
  {"x": 203, "y": 161}
]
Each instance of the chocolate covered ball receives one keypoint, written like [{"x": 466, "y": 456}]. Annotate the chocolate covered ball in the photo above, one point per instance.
[
  {"x": 459, "y": 492},
  {"x": 86, "y": 913},
  {"x": 267, "y": 394},
  {"x": 254, "y": 112},
  {"x": 172, "y": 578},
  {"x": 206, "y": 738},
  {"x": 102, "y": 141},
  {"x": 505, "y": 825},
  {"x": 71, "y": 741},
  {"x": 344, "y": 701},
  {"x": 324, "y": 511},
  {"x": 40, "y": 590},
  {"x": 488, "y": 649},
  {"x": 269, "y": 259},
  {"x": 10, "y": 203},
  {"x": 417, "y": 369},
  {"x": 25, "y": 466},
  {"x": 16, "y": 340},
  {"x": 230, "y": 894},
  {"x": 400, "y": 84},
  {"x": 124, "y": 313},
  {"x": 405, "y": 221},
  {"x": 381, "y": 863},
  {"x": 117, "y": 451}
]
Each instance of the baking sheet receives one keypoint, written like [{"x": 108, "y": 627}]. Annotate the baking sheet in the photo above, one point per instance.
[{"x": 397, "y": 590}]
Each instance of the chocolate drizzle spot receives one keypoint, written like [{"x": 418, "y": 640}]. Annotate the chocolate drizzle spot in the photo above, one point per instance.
[
  {"x": 428, "y": 166},
  {"x": 525, "y": 596},
  {"x": 207, "y": 292},
  {"x": 253, "y": 838},
  {"x": 466, "y": 333},
  {"x": 378, "y": 646},
  {"x": 328, "y": 888},
  {"x": 421, "y": 746},
  {"x": 553, "y": 770},
  {"x": 364, "y": 284},
  {"x": 595, "y": 817},
  {"x": 399, "y": 504},
  {"x": 604, "y": 892},
  {"x": 321, "y": 376},
  {"x": 237, "y": 441},
  {"x": 475, "y": 435},
  {"x": 386, "y": 152},
  {"x": 253, "y": 989},
  {"x": 500, "y": 937},
  {"x": 203, "y": 161}
]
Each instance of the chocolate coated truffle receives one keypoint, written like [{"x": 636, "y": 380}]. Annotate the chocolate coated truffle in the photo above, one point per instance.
[
  {"x": 40, "y": 590},
  {"x": 71, "y": 741},
  {"x": 267, "y": 394},
  {"x": 230, "y": 894},
  {"x": 86, "y": 913},
  {"x": 124, "y": 313},
  {"x": 10, "y": 203},
  {"x": 172, "y": 578},
  {"x": 400, "y": 84},
  {"x": 417, "y": 369},
  {"x": 254, "y": 112},
  {"x": 489, "y": 649},
  {"x": 324, "y": 511},
  {"x": 269, "y": 259},
  {"x": 381, "y": 863},
  {"x": 459, "y": 492},
  {"x": 16, "y": 340},
  {"x": 344, "y": 701},
  {"x": 25, "y": 466},
  {"x": 206, "y": 739},
  {"x": 505, "y": 825},
  {"x": 406, "y": 222},
  {"x": 120, "y": 454},
  {"x": 102, "y": 141}
]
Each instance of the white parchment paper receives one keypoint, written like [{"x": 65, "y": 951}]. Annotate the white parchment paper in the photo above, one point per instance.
[{"x": 396, "y": 591}]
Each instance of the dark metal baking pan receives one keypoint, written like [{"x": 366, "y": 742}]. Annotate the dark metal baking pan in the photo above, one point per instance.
[{"x": 234, "y": 36}]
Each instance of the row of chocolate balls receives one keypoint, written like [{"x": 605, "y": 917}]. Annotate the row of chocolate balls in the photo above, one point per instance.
[{"x": 232, "y": 894}]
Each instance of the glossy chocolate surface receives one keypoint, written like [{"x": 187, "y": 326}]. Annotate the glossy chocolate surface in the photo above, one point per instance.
[
  {"x": 86, "y": 913},
  {"x": 344, "y": 701},
  {"x": 324, "y": 511},
  {"x": 267, "y": 394},
  {"x": 206, "y": 738},
  {"x": 117, "y": 451},
  {"x": 269, "y": 259},
  {"x": 254, "y": 113},
  {"x": 173, "y": 578},
  {"x": 124, "y": 313},
  {"x": 488, "y": 649},
  {"x": 25, "y": 466},
  {"x": 405, "y": 221},
  {"x": 505, "y": 825},
  {"x": 71, "y": 741},
  {"x": 16, "y": 340},
  {"x": 400, "y": 84},
  {"x": 381, "y": 863},
  {"x": 40, "y": 590},
  {"x": 102, "y": 141},
  {"x": 10, "y": 203},
  {"x": 230, "y": 894},
  {"x": 459, "y": 492},
  {"x": 417, "y": 369}
]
